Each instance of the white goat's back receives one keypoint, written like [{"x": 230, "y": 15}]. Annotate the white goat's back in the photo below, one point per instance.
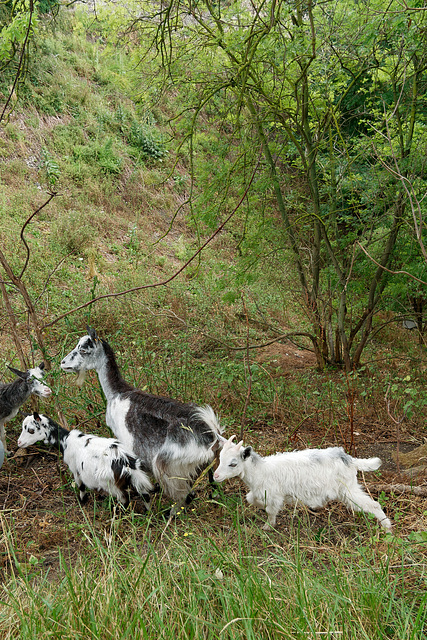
[
  {"x": 313, "y": 476},
  {"x": 91, "y": 458}
]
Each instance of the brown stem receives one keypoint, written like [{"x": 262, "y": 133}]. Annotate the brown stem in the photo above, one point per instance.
[
  {"x": 248, "y": 363},
  {"x": 13, "y": 324}
]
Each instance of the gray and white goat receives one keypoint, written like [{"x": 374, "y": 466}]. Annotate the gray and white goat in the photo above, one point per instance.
[
  {"x": 14, "y": 394},
  {"x": 96, "y": 463},
  {"x": 175, "y": 440},
  {"x": 313, "y": 477}
]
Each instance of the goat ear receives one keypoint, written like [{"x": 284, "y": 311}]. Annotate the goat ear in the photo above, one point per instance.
[
  {"x": 92, "y": 334},
  {"x": 246, "y": 452},
  {"x": 20, "y": 374},
  {"x": 221, "y": 439},
  {"x": 36, "y": 416},
  {"x": 41, "y": 365},
  {"x": 218, "y": 443}
]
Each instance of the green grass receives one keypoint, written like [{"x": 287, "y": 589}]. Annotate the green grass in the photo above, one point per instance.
[{"x": 144, "y": 579}]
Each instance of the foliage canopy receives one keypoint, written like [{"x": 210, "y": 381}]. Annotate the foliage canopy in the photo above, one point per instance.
[{"x": 333, "y": 96}]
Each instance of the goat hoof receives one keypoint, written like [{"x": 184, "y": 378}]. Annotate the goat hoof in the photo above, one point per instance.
[{"x": 190, "y": 497}]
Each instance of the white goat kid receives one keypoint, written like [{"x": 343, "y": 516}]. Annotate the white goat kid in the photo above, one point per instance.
[
  {"x": 175, "y": 440},
  {"x": 96, "y": 463},
  {"x": 14, "y": 394},
  {"x": 313, "y": 477}
]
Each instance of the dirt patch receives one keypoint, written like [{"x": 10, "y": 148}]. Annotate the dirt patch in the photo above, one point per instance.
[
  {"x": 282, "y": 360},
  {"x": 42, "y": 520}
]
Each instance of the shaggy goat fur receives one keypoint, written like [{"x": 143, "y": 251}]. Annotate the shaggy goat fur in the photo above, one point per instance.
[
  {"x": 313, "y": 477},
  {"x": 96, "y": 463},
  {"x": 174, "y": 440}
]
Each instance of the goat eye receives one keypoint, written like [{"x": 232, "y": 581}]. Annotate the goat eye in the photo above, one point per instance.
[
  {"x": 30, "y": 430},
  {"x": 233, "y": 464}
]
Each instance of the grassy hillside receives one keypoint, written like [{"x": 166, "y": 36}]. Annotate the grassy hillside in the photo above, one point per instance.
[{"x": 120, "y": 219}]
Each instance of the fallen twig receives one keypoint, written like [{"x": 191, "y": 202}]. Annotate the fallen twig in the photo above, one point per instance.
[{"x": 399, "y": 488}]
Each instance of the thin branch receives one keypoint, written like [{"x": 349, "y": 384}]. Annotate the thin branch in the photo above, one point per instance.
[
  {"x": 397, "y": 423},
  {"x": 27, "y": 222},
  {"x": 248, "y": 363},
  {"x": 41, "y": 294},
  {"x": 394, "y": 273},
  {"x": 172, "y": 277},
  {"x": 21, "y": 60},
  {"x": 399, "y": 488}
]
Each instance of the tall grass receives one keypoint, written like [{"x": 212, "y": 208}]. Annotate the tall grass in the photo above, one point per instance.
[{"x": 146, "y": 579}]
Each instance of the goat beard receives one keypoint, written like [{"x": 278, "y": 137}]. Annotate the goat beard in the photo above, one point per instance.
[{"x": 81, "y": 377}]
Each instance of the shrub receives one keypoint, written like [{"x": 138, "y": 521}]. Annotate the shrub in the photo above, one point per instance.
[{"x": 142, "y": 138}]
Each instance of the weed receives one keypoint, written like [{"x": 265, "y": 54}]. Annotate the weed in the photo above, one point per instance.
[
  {"x": 72, "y": 233},
  {"x": 51, "y": 167},
  {"x": 13, "y": 132}
]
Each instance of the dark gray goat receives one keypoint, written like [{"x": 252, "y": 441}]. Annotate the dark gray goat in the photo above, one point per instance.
[{"x": 14, "y": 394}]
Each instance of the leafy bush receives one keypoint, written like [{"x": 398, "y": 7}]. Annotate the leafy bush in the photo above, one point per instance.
[
  {"x": 103, "y": 154},
  {"x": 145, "y": 141}
]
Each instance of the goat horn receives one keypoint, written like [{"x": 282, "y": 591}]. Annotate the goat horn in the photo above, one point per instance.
[
  {"x": 21, "y": 374},
  {"x": 92, "y": 333}
]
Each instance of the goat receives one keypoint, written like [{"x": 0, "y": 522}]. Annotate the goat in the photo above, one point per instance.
[
  {"x": 313, "y": 477},
  {"x": 14, "y": 394},
  {"x": 175, "y": 440},
  {"x": 96, "y": 463}
]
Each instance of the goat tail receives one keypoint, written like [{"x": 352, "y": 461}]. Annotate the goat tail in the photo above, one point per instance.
[
  {"x": 139, "y": 478},
  {"x": 207, "y": 415},
  {"x": 367, "y": 464}
]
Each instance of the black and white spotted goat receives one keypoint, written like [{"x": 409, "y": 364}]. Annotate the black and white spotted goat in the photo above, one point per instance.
[
  {"x": 14, "y": 394},
  {"x": 96, "y": 463},
  {"x": 313, "y": 477},
  {"x": 174, "y": 440}
]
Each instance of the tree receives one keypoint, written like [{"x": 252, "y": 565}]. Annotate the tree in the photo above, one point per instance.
[
  {"x": 331, "y": 93},
  {"x": 18, "y": 21}
]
